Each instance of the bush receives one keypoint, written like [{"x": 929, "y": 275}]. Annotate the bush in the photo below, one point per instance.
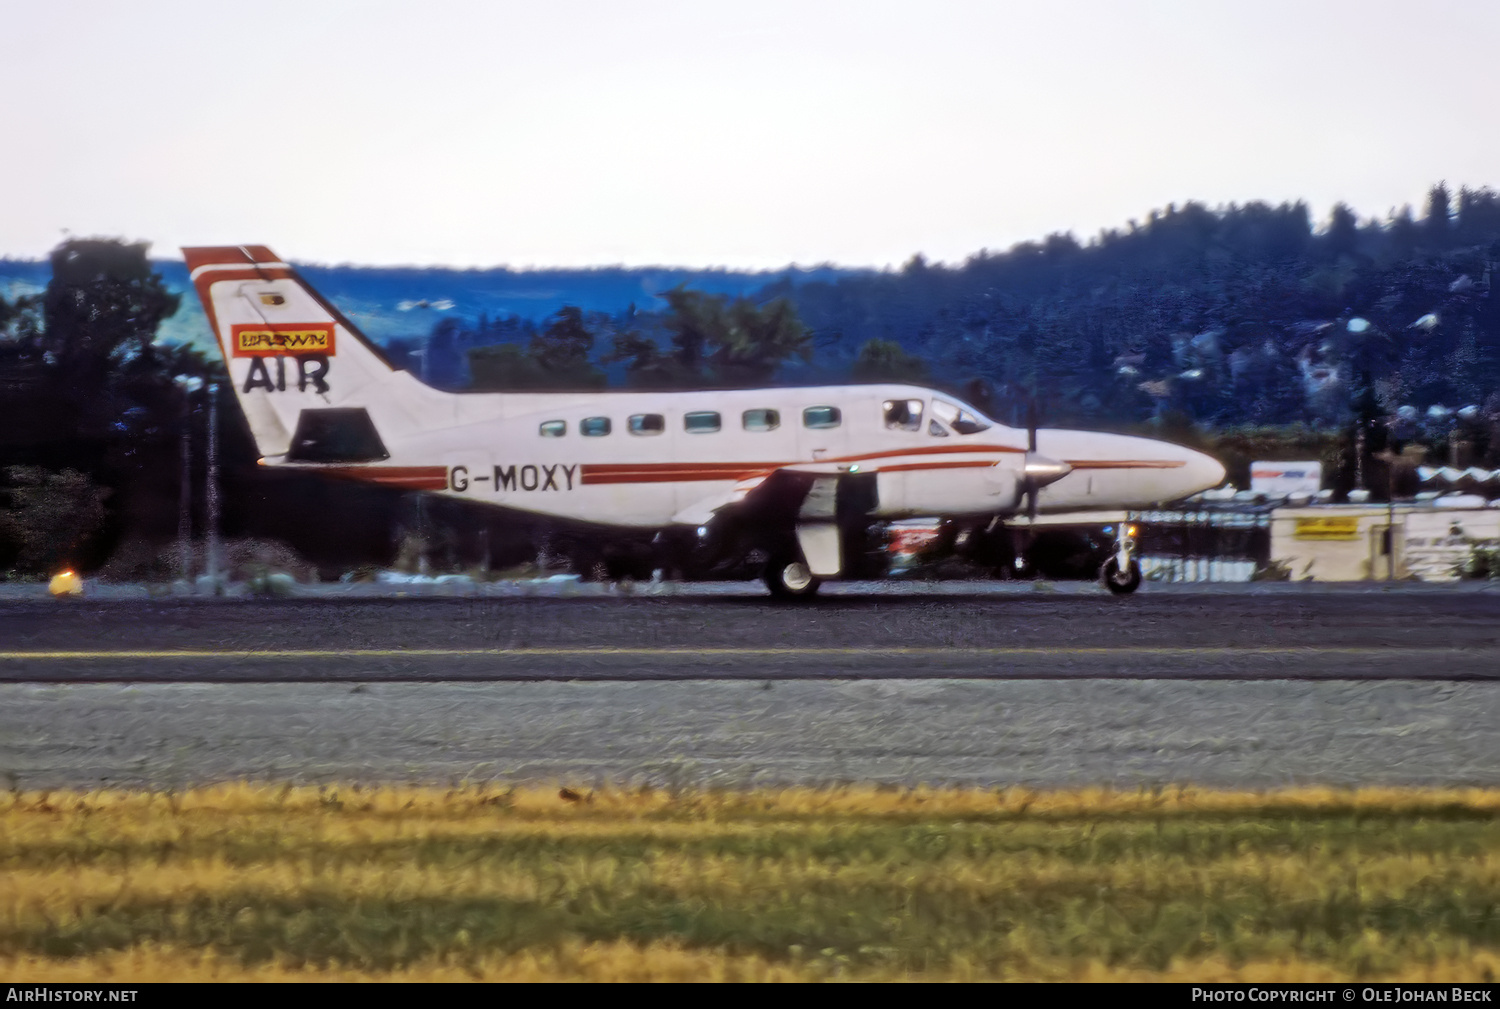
[
  {"x": 245, "y": 560},
  {"x": 1483, "y": 564}
]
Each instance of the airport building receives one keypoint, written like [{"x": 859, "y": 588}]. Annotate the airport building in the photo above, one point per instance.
[{"x": 1299, "y": 534}]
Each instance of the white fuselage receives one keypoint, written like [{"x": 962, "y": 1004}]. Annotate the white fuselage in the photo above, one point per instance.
[{"x": 652, "y": 474}]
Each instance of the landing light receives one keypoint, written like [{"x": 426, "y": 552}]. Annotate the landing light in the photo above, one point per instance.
[
  {"x": 854, "y": 468},
  {"x": 702, "y": 531}
]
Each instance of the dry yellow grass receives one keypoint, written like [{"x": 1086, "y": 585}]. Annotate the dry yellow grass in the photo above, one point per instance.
[
  {"x": 250, "y": 882},
  {"x": 666, "y": 962}
]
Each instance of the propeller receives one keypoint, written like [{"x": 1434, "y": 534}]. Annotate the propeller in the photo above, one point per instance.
[{"x": 1038, "y": 471}]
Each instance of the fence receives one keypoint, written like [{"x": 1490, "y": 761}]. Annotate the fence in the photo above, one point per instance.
[{"x": 1203, "y": 544}]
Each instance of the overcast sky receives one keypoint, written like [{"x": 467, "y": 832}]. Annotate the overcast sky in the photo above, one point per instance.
[{"x": 477, "y": 132}]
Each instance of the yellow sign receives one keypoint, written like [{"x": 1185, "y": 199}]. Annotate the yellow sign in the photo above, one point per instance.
[
  {"x": 269, "y": 341},
  {"x": 1328, "y": 527}
]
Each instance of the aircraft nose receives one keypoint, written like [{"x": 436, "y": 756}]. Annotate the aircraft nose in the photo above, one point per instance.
[{"x": 1202, "y": 472}]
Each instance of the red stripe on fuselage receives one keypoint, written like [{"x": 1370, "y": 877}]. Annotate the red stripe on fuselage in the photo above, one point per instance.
[
  {"x": 930, "y": 450},
  {"x": 408, "y": 477},
  {"x": 912, "y": 466},
  {"x": 660, "y": 472}
]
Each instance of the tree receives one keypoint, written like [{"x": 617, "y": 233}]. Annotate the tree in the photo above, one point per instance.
[
  {"x": 887, "y": 361},
  {"x": 502, "y": 367},
  {"x": 48, "y": 517},
  {"x": 86, "y": 389},
  {"x": 556, "y": 358},
  {"x": 561, "y": 352},
  {"x": 646, "y": 365},
  {"x": 714, "y": 342},
  {"x": 1343, "y": 231},
  {"x": 1438, "y": 223},
  {"x": 757, "y": 340},
  {"x": 100, "y": 312},
  {"x": 1478, "y": 215}
]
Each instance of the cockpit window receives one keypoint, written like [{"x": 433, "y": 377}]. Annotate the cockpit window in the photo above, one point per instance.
[
  {"x": 903, "y": 414},
  {"x": 961, "y": 419},
  {"x": 936, "y": 430}
]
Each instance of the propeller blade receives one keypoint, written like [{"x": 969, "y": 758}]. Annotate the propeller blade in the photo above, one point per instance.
[{"x": 1039, "y": 471}]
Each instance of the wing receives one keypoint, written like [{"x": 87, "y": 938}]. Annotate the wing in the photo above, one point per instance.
[{"x": 804, "y": 502}]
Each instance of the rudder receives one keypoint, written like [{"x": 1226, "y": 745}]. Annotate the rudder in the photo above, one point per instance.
[{"x": 312, "y": 386}]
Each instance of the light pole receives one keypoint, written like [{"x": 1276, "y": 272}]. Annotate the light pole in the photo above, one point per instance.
[
  {"x": 212, "y": 490},
  {"x": 1390, "y": 517},
  {"x": 185, "y": 500},
  {"x": 187, "y": 385}
]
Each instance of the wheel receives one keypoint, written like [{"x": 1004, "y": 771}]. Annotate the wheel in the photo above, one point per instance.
[
  {"x": 1121, "y": 583},
  {"x": 788, "y": 577}
]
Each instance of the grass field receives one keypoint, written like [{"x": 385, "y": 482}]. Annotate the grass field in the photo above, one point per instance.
[{"x": 257, "y": 882}]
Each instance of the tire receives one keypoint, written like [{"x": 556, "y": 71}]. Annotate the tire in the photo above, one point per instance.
[
  {"x": 788, "y": 577},
  {"x": 1121, "y": 583}
]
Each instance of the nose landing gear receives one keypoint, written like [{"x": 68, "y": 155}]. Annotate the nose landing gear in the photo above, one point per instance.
[{"x": 1121, "y": 574}]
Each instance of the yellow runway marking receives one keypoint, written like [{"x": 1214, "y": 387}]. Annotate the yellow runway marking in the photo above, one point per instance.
[{"x": 646, "y": 652}]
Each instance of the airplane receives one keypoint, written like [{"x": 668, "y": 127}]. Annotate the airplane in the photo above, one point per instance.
[{"x": 796, "y": 476}]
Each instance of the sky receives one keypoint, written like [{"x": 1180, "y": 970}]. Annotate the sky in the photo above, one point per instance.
[{"x": 734, "y": 134}]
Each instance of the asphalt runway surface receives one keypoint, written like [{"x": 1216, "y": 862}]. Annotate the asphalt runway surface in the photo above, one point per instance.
[
  {"x": 720, "y": 688},
  {"x": 1396, "y": 634}
]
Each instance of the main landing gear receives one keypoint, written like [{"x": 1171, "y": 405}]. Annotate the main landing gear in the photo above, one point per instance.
[
  {"x": 1121, "y": 574},
  {"x": 788, "y": 576}
]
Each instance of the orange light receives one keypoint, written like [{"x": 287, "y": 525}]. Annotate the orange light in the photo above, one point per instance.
[{"x": 65, "y": 583}]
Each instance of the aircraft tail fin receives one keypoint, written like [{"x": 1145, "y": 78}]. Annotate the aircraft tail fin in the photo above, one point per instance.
[{"x": 314, "y": 389}]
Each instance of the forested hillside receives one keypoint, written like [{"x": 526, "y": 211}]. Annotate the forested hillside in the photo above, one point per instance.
[
  {"x": 1242, "y": 315},
  {"x": 1253, "y": 331}
]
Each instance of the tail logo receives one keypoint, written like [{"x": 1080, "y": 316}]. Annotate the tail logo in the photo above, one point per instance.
[
  {"x": 312, "y": 369},
  {"x": 261, "y": 340}
]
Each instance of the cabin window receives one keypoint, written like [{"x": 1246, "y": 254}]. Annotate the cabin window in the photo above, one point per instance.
[
  {"x": 553, "y": 428},
  {"x": 647, "y": 423},
  {"x": 961, "y": 419},
  {"x": 761, "y": 420},
  {"x": 903, "y": 414},
  {"x": 594, "y": 427},
  {"x": 821, "y": 417},
  {"x": 701, "y": 422}
]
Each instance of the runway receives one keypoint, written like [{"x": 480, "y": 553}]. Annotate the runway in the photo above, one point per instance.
[
  {"x": 1411, "y": 634},
  {"x": 719, "y": 688},
  {"x": 725, "y": 734}
]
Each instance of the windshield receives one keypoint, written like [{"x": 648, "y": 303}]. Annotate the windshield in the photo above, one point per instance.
[{"x": 960, "y": 418}]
